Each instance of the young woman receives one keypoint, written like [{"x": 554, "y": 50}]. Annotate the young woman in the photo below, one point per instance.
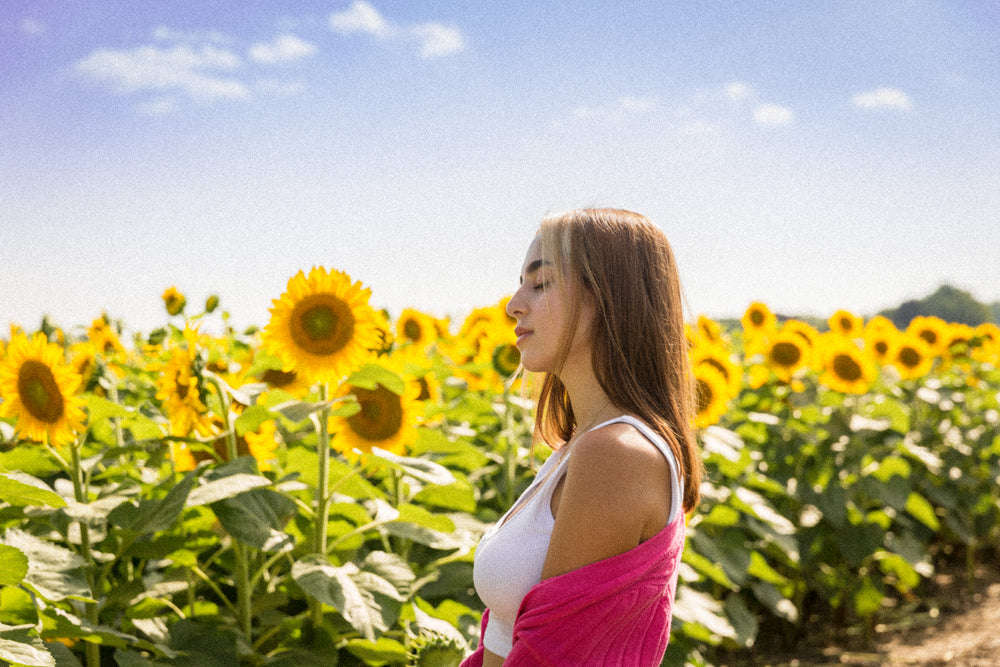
[{"x": 582, "y": 569}]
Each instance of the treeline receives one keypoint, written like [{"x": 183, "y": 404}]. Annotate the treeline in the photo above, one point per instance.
[{"x": 950, "y": 304}]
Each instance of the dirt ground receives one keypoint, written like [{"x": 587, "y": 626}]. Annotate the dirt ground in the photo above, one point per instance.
[{"x": 955, "y": 624}]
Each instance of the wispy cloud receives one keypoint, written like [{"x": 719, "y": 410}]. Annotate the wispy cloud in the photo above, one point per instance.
[
  {"x": 434, "y": 39},
  {"x": 772, "y": 114},
  {"x": 202, "y": 73},
  {"x": 30, "y": 26},
  {"x": 883, "y": 98},
  {"x": 282, "y": 49}
]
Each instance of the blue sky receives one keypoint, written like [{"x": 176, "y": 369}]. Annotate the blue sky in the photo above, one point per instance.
[{"x": 812, "y": 155}]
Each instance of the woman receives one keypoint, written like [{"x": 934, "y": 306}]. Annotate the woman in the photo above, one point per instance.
[{"x": 582, "y": 569}]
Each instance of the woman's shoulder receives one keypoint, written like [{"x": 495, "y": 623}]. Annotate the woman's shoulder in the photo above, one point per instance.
[{"x": 618, "y": 446}]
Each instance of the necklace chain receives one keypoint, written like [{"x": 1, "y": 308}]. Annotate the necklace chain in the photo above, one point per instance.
[{"x": 597, "y": 414}]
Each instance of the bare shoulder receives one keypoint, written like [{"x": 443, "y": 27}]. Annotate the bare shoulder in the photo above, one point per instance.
[
  {"x": 618, "y": 447},
  {"x": 616, "y": 493}
]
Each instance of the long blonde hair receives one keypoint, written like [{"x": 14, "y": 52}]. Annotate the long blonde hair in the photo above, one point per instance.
[{"x": 639, "y": 355}]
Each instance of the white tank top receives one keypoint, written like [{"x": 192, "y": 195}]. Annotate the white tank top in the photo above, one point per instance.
[{"x": 510, "y": 556}]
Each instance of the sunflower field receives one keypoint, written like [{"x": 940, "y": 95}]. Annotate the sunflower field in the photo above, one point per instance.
[{"x": 312, "y": 492}]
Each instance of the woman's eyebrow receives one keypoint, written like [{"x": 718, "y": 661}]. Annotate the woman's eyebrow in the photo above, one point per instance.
[{"x": 534, "y": 266}]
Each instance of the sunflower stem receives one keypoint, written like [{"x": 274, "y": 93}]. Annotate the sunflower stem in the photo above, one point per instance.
[
  {"x": 244, "y": 590},
  {"x": 322, "y": 493},
  {"x": 92, "y": 650}
]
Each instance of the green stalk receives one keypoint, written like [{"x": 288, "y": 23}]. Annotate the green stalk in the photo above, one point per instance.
[
  {"x": 322, "y": 495},
  {"x": 244, "y": 591},
  {"x": 92, "y": 650}
]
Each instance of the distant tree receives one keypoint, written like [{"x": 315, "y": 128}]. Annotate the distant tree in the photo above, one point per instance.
[{"x": 949, "y": 303}]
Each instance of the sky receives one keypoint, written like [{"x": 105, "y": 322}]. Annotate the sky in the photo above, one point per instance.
[{"x": 810, "y": 155}]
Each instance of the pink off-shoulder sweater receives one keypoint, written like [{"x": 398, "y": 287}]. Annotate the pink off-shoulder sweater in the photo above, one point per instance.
[{"x": 613, "y": 612}]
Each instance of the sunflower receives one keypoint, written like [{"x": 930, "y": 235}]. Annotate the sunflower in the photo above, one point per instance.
[
  {"x": 262, "y": 444},
  {"x": 416, "y": 328},
  {"x": 846, "y": 324},
  {"x": 180, "y": 391},
  {"x": 322, "y": 326},
  {"x": 914, "y": 357},
  {"x": 933, "y": 331},
  {"x": 712, "y": 394},
  {"x": 808, "y": 334},
  {"x": 717, "y": 357},
  {"x": 39, "y": 389},
  {"x": 710, "y": 330},
  {"x": 846, "y": 368},
  {"x": 174, "y": 301},
  {"x": 881, "y": 343},
  {"x": 758, "y": 319},
  {"x": 786, "y": 353},
  {"x": 386, "y": 420},
  {"x": 986, "y": 343},
  {"x": 958, "y": 341},
  {"x": 103, "y": 336},
  {"x": 420, "y": 368}
]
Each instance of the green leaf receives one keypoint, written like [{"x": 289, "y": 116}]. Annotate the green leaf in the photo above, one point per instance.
[
  {"x": 155, "y": 515},
  {"x": 768, "y": 595},
  {"x": 379, "y": 652},
  {"x": 892, "y": 465},
  {"x": 699, "y": 609},
  {"x": 922, "y": 510},
  {"x": 54, "y": 572},
  {"x": 868, "y": 598},
  {"x": 299, "y": 411},
  {"x": 13, "y": 565},
  {"x": 226, "y": 487},
  {"x": 99, "y": 408},
  {"x": 371, "y": 375},
  {"x": 257, "y": 518},
  {"x": 20, "y": 490},
  {"x": 459, "y": 497},
  {"x": 251, "y": 419},
  {"x": 20, "y": 645},
  {"x": 17, "y": 606},
  {"x": 422, "y": 469},
  {"x": 336, "y": 586}
]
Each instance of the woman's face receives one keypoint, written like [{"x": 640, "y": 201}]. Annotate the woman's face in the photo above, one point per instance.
[{"x": 542, "y": 306}]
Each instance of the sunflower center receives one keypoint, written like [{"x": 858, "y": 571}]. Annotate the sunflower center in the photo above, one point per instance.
[
  {"x": 506, "y": 359},
  {"x": 715, "y": 363},
  {"x": 786, "y": 354},
  {"x": 757, "y": 318},
  {"x": 277, "y": 378},
  {"x": 181, "y": 386},
  {"x": 909, "y": 357},
  {"x": 703, "y": 391},
  {"x": 847, "y": 368},
  {"x": 930, "y": 336},
  {"x": 881, "y": 348},
  {"x": 412, "y": 330},
  {"x": 381, "y": 414},
  {"x": 322, "y": 324},
  {"x": 39, "y": 392}
]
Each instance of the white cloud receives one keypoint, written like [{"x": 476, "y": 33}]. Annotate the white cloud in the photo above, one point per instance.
[
  {"x": 361, "y": 17},
  {"x": 883, "y": 98},
  {"x": 630, "y": 103},
  {"x": 198, "y": 72},
  {"x": 772, "y": 114},
  {"x": 30, "y": 26},
  {"x": 435, "y": 39},
  {"x": 165, "y": 34},
  {"x": 738, "y": 91},
  {"x": 283, "y": 48}
]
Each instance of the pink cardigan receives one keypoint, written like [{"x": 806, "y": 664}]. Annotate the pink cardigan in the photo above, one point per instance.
[{"x": 613, "y": 612}]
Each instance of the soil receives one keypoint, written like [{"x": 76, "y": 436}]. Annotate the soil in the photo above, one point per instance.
[{"x": 954, "y": 623}]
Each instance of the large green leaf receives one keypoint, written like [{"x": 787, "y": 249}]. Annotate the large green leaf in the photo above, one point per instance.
[
  {"x": 13, "y": 565},
  {"x": 20, "y": 490},
  {"x": 20, "y": 645},
  {"x": 362, "y": 597},
  {"x": 422, "y": 469},
  {"x": 256, "y": 518},
  {"x": 152, "y": 516},
  {"x": 225, "y": 487},
  {"x": 54, "y": 572},
  {"x": 922, "y": 510}
]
